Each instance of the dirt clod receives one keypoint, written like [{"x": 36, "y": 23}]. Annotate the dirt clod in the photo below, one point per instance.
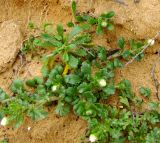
[{"x": 10, "y": 44}]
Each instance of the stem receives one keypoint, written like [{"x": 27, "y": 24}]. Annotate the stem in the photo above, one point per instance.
[
  {"x": 116, "y": 55},
  {"x": 8, "y": 100},
  {"x": 50, "y": 99},
  {"x": 143, "y": 49},
  {"x": 154, "y": 77}
]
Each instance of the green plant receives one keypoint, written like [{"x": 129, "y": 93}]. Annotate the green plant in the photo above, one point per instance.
[
  {"x": 4, "y": 141},
  {"x": 80, "y": 80},
  {"x": 101, "y": 22},
  {"x": 145, "y": 91}
]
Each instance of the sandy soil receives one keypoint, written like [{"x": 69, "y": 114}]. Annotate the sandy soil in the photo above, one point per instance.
[{"x": 134, "y": 20}]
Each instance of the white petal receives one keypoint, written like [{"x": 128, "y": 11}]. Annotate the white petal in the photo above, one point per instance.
[
  {"x": 54, "y": 88},
  {"x": 29, "y": 128},
  {"x": 92, "y": 138},
  {"x": 102, "y": 82},
  {"x": 4, "y": 121},
  {"x": 151, "y": 42}
]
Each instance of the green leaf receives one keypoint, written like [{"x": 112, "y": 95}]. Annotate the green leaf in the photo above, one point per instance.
[
  {"x": 76, "y": 30},
  {"x": 47, "y": 27},
  {"x": 86, "y": 68},
  {"x": 145, "y": 91},
  {"x": 19, "y": 121},
  {"x": 73, "y": 62},
  {"x": 89, "y": 96},
  {"x": 41, "y": 90},
  {"x": 92, "y": 20},
  {"x": 83, "y": 87},
  {"x": 45, "y": 71},
  {"x": 31, "y": 25},
  {"x": 74, "y": 8},
  {"x": 79, "y": 108},
  {"x": 79, "y": 18},
  {"x": 153, "y": 105},
  {"x": 38, "y": 80},
  {"x": 3, "y": 95},
  {"x": 70, "y": 93},
  {"x": 117, "y": 63},
  {"x": 110, "y": 26},
  {"x": 70, "y": 24},
  {"x": 62, "y": 109},
  {"x": 37, "y": 113},
  {"x": 17, "y": 86},
  {"x": 109, "y": 90},
  {"x": 110, "y": 14},
  {"x": 60, "y": 30},
  {"x": 82, "y": 39},
  {"x": 81, "y": 52},
  {"x": 4, "y": 141},
  {"x": 124, "y": 101},
  {"x": 102, "y": 54},
  {"x": 72, "y": 79},
  {"x": 71, "y": 46},
  {"x": 126, "y": 54},
  {"x": 65, "y": 57},
  {"x": 31, "y": 82},
  {"x": 85, "y": 26},
  {"x": 121, "y": 42},
  {"x": 99, "y": 29},
  {"x": 51, "y": 40},
  {"x": 132, "y": 44}
]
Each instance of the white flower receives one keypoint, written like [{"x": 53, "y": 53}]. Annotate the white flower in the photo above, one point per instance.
[
  {"x": 29, "y": 128},
  {"x": 121, "y": 107},
  {"x": 104, "y": 24},
  {"x": 102, "y": 82},
  {"x": 151, "y": 42},
  {"x": 54, "y": 88},
  {"x": 92, "y": 138},
  {"x": 4, "y": 121}
]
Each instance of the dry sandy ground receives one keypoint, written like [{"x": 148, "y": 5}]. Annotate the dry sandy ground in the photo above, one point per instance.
[{"x": 139, "y": 20}]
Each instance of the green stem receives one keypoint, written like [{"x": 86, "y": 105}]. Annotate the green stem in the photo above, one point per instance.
[{"x": 50, "y": 99}]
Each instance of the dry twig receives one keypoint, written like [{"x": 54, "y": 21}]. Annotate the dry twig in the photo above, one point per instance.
[
  {"x": 120, "y": 2},
  {"x": 154, "y": 77}
]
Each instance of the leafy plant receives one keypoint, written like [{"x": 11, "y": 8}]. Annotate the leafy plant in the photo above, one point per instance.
[
  {"x": 101, "y": 22},
  {"x": 145, "y": 91},
  {"x": 4, "y": 141},
  {"x": 81, "y": 80}
]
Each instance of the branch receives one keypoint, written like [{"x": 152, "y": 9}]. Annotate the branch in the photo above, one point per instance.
[
  {"x": 154, "y": 77},
  {"x": 143, "y": 49},
  {"x": 120, "y": 2}
]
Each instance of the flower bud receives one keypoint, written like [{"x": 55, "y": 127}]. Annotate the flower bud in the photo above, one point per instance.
[
  {"x": 121, "y": 107},
  {"x": 151, "y": 42},
  {"x": 89, "y": 112},
  {"x": 104, "y": 24},
  {"x": 4, "y": 121},
  {"x": 92, "y": 138},
  {"x": 102, "y": 82},
  {"x": 29, "y": 128},
  {"x": 54, "y": 88}
]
